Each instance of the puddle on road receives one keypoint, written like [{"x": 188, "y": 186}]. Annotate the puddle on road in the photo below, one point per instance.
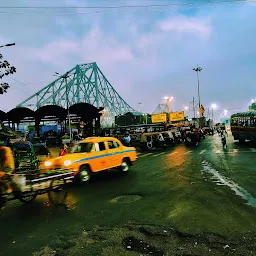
[
  {"x": 133, "y": 244},
  {"x": 224, "y": 181},
  {"x": 126, "y": 199}
]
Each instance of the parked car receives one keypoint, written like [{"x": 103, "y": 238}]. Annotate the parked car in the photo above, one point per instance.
[{"x": 93, "y": 155}]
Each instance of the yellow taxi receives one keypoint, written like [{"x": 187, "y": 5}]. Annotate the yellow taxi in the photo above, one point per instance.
[{"x": 92, "y": 155}]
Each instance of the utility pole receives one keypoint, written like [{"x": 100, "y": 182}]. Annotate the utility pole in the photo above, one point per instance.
[
  {"x": 193, "y": 107},
  {"x": 140, "y": 110}
]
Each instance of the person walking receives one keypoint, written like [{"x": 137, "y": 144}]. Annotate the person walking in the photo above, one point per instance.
[{"x": 127, "y": 139}]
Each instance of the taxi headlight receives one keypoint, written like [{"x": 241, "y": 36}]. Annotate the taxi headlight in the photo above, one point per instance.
[
  {"x": 67, "y": 163},
  {"x": 48, "y": 163}
]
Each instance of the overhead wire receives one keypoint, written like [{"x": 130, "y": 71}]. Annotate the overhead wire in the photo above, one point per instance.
[
  {"x": 23, "y": 84},
  {"x": 17, "y": 87},
  {"x": 119, "y": 6},
  {"x": 150, "y": 8}
]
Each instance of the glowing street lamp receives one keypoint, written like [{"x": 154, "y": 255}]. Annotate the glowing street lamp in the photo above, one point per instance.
[
  {"x": 168, "y": 102},
  {"x": 213, "y": 106}
]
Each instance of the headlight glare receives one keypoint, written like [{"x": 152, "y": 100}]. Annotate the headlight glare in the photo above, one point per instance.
[
  {"x": 48, "y": 163},
  {"x": 67, "y": 162}
]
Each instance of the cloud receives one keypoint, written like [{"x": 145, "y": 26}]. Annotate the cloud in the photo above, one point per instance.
[
  {"x": 56, "y": 52},
  {"x": 97, "y": 46},
  {"x": 182, "y": 24},
  {"x": 93, "y": 47}
]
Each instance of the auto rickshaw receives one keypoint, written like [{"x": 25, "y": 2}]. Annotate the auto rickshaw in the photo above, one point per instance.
[
  {"x": 168, "y": 138},
  {"x": 153, "y": 140},
  {"x": 191, "y": 139}
]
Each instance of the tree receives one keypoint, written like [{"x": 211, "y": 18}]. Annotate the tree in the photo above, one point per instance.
[{"x": 5, "y": 70}]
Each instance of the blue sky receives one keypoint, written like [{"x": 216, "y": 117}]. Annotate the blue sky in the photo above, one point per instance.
[{"x": 145, "y": 55}]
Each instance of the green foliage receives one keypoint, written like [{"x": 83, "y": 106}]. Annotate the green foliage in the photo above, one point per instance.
[{"x": 5, "y": 70}]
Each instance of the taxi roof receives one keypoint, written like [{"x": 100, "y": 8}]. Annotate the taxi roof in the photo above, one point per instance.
[{"x": 98, "y": 139}]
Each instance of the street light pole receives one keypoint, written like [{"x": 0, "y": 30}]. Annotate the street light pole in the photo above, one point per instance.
[
  {"x": 67, "y": 106},
  {"x": 197, "y": 70},
  {"x": 69, "y": 123}
]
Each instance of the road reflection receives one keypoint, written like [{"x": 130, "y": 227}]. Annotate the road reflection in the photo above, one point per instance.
[{"x": 178, "y": 156}]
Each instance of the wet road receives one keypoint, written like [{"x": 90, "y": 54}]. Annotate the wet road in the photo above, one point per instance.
[{"x": 207, "y": 192}]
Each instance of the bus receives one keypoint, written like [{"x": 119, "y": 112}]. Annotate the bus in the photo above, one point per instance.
[{"x": 243, "y": 126}]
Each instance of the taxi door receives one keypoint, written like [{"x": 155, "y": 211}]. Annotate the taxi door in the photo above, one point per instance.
[
  {"x": 114, "y": 151},
  {"x": 100, "y": 159}
]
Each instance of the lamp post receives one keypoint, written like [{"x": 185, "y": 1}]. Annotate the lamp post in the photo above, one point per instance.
[
  {"x": 7, "y": 45},
  {"x": 65, "y": 76},
  {"x": 197, "y": 70}
]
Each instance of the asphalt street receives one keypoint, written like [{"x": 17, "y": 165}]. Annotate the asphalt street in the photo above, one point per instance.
[{"x": 185, "y": 201}]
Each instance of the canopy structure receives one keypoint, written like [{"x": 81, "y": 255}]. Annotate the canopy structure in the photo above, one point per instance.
[
  {"x": 2, "y": 115},
  {"x": 85, "y": 111},
  {"x": 51, "y": 111},
  {"x": 16, "y": 115}
]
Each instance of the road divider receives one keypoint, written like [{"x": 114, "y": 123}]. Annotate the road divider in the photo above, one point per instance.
[
  {"x": 159, "y": 154},
  {"x": 148, "y": 154}
]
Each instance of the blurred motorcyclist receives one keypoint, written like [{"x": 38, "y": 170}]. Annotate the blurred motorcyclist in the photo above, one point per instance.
[
  {"x": 224, "y": 140},
  {"x": 6, "y": 161},
  {"x": 7, "y": 166}
]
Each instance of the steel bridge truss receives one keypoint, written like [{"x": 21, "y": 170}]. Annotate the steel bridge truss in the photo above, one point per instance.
[
  {"x": 161, "y": 108},
  {"x": 84, "y": 83}
]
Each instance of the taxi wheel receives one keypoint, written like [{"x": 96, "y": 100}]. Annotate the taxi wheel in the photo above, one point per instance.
[
  {"x": 84, "y": 174},
  {"x": 125, "y": 166}
]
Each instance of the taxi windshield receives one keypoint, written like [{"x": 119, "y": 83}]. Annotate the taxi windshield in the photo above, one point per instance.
[{"x": 82, "y": 148}]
